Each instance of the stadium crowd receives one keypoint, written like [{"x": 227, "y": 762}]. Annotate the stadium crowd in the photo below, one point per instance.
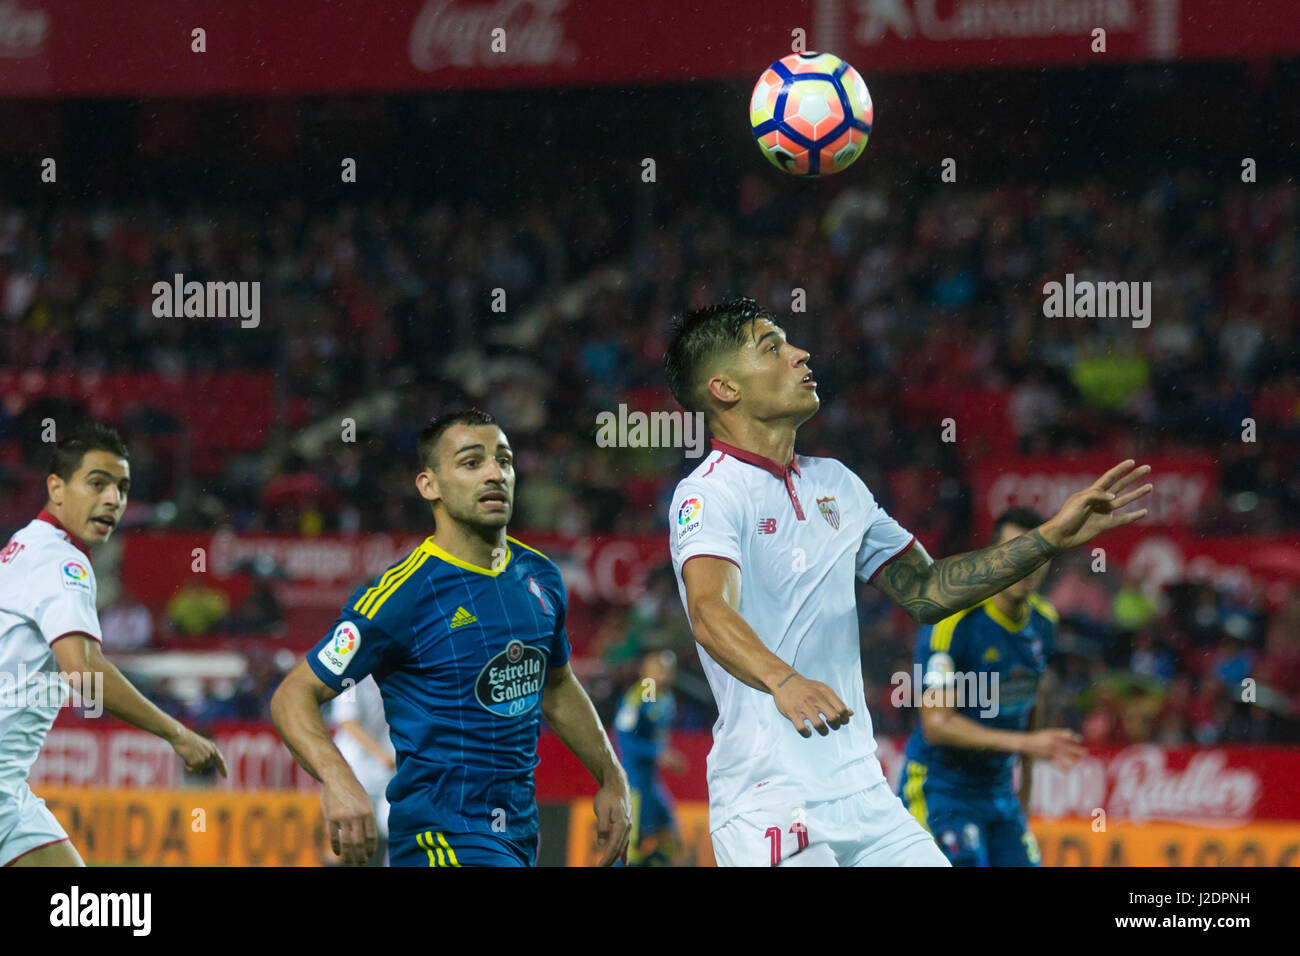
[{"x": 388, "y": 299}]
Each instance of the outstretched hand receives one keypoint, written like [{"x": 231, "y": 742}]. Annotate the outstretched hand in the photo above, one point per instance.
[{"x": 1088, "y": 513}]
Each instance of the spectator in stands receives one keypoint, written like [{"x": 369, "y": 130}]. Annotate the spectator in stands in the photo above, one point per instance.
[
  {"x": 1133, "y": 609},
  {"x": 259, "y": 612},
  {"x": 196, "y": 608},
  {"x": 127, "y": 625},
  {"x": 1104, "y": 725}
]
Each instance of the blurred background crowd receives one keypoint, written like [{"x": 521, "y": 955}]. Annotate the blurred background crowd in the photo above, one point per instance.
[{"x": 377, "y": 307}]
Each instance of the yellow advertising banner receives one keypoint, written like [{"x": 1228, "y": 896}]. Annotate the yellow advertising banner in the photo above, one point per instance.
[
  {"x": 1062, "y": 842},
  {"x": 191, "y": 827},
  {"x": 1077, "y": 843}
]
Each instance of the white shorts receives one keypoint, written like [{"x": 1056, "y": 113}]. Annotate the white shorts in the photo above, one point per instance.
[
  {"x": 868, "y": 828},
  {"x": 26, "y": 824}
]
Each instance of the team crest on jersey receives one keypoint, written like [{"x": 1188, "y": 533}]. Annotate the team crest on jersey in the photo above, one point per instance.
[
  {"x": 338, "y": 653},
  {"x": 510, "y": 684},
  {"x": 535, "y": 590},
  {"x": 690, "y": 518},
  {"x": 830, "y": 511},
  {"x": 75, "y": 576}
]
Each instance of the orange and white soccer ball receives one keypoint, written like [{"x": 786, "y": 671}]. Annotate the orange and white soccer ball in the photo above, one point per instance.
[{"x": 811, "y": 114}]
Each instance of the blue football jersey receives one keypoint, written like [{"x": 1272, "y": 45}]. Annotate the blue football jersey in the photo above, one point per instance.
[
  {"x": 998, "y": 663},
  {"x": 460, "y": 654}
]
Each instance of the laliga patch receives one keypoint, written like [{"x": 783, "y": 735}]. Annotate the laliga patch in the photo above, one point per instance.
[
  {"x": 75, "y": 577},
  {"x": 338, "y": 653},
  {"x": 690, "y": 517}
]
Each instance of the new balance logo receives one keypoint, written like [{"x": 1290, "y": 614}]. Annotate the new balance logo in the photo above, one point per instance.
[
  {"x": 461, "y": 618},
  {"x": 767, "y": 526}
]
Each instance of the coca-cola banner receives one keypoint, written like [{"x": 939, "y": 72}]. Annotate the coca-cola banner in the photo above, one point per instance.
[
  {"x": 1209, "y": 786},
  {"x": 1183, "y": 484},
  {"x": 158, "y": 48}
]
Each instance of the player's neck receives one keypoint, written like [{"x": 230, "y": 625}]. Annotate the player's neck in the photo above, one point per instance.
[
  {"x": 469, "y": 545},
  {"x": 52, "y": 511},
  {"x": 1013, "y": 608},
  {"x": 772, "y": 440}
]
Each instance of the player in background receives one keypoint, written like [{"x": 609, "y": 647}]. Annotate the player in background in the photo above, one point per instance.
[
  {"x": 641, "y": 732},
  {"x": 956, "y": 777},
  {"x": 465, "y": 638},
  {"x": 49, "y": 628},
  {"x": 766, "y": 546},
  {"x": 361, "y": 734}
]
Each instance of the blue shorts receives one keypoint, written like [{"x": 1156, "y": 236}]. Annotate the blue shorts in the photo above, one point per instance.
[
  {"x": 439, "y": 848},
  {"x": 990, "y": 831}
]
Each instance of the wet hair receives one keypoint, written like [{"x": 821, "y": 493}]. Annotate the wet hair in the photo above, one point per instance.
[
  {"x": 699, "y": 338},
  {"x": 435, "y": 427}
]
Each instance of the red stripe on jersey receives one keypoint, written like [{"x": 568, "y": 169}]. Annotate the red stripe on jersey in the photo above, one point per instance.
[
  {"x": 891, "y": 558},
  {"x": 720, "y": 557},
  {"x": 82, "y": 633},
  {"x": 76, "y": 542},
  {"x": 714, "y": 465},
  {"x": 750, "y": 458},
  {"x": 35, "y": 848}
]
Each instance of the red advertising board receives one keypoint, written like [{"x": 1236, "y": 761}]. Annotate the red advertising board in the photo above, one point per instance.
[
  {"x": 1240, "y": 564},
  {"x": 319, "y": 573},
  {"x": 1201, "y": 786},
  {"x": 154, "y": 47},
  {"x": 1183, "y": 485}
]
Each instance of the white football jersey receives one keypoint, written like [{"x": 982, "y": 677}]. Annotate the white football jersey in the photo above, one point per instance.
[
  {"x": 47, "y": 590},
  {"x": 799, "y": 534},
  {"x": 364, "y": 704}
]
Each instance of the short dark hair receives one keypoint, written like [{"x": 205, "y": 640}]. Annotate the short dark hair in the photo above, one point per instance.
[
  {"x": 82, "y": 438},
  {"x": 1026, "y": 518},
  {"x": 698, "y": 337},
  {"x": 433, "y": 430}
]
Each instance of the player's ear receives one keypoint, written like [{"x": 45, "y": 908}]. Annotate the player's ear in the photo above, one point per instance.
[
  {"x": 426, "y": 483},
  {"x": 53, "y": 487},
  {"x": 723, "y": 389}
]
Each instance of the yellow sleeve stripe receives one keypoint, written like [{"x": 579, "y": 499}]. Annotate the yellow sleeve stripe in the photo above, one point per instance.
[
  {"x": 397, "y": 583},
  {"x": 941, "y": 636},
  {"x": 526, "y": 547},
  {"x": 1044, "y": 608},
  {"x": 410, "y": 568},
  {"x": 366, "y": 600}
]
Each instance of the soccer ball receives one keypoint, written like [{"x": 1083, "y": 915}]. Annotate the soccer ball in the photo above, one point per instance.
[{"x": 811, "y": 114}]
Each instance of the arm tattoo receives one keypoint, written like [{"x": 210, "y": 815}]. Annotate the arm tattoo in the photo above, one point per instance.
[{"x": 930, "y": 590}]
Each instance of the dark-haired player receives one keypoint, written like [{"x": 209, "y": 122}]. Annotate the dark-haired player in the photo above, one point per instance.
[
  {"x": 982, "y": 667},
  {"x": 766, "y": 546},
  {"x": 49, "y": 628},
  {"x": 465, "y": 638}
]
